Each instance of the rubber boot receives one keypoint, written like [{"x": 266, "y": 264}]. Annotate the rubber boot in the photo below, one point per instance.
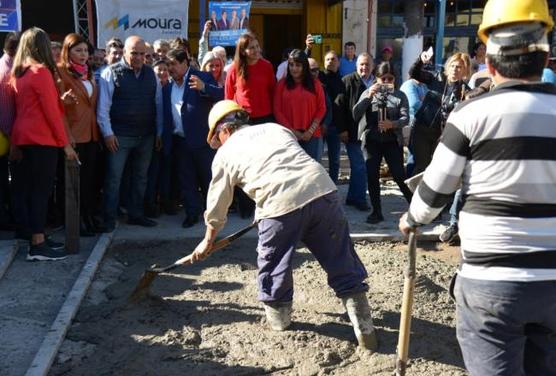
[
  {"x": 278, "y": 315},
  {"x": 357, "y": 307}
]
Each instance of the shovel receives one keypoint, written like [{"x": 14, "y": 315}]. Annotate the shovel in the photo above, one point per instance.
[
  {"x": 150, "y": 274},
  {"x": 407, "y": 306}
]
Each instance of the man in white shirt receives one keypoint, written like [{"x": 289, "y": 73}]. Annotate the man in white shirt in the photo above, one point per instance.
[{"x": 295, "y": 201}]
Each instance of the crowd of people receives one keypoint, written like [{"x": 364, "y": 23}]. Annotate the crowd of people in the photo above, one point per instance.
[{"x": 134, "y": 116}]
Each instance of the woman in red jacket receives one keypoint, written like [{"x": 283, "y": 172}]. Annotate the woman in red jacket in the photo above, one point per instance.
[
  {"x": 80, "y": 114},
  {"x": 300, "y": 104},
  {"x": 250, "y": 80},
  {"x": 38, "y": 134}
]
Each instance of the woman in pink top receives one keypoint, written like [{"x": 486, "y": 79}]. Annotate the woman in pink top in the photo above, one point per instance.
[
  {"x": 37, "y": 137},
  {"x": 250, "y": 80},
  {"x": 300, "y": 104}
]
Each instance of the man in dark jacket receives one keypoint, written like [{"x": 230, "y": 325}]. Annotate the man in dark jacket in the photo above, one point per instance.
[
  {"x": 355, "y": 84},
  {"x": 334, "y": 87},
  {"x": 187, "y": 102}
]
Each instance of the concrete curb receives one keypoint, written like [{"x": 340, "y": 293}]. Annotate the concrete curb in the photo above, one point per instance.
[
  {"x": 49, "y": 348},
  {"x": 387, "y": 237},
  {"x": 8, "y": 250}
]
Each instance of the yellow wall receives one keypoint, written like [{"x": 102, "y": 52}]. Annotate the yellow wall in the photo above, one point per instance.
[{"x": 327, "y": 21}]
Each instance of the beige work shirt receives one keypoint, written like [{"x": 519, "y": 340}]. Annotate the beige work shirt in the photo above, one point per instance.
[{"x": 268, "y": 164}]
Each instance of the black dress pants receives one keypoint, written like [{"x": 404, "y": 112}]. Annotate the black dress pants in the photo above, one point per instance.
[
  {"x": 393, "y": 154},
  {"x": 36, "y": 174}
]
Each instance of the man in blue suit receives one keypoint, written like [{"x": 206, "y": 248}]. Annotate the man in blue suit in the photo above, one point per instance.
[{"x": 187, "y": 102}]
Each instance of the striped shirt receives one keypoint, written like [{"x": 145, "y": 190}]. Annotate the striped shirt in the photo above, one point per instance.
[{"x": 501, "y": 147}]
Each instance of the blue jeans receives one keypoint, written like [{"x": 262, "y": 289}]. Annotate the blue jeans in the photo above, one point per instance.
[
  {"x": 507, "y": 328},
  {"x": 333, "y": 142},
  {"x": 139, "y": 151},
  {"x": 455, "y": 208},
  {"x": 323, "y": 227},
  {"x": 357, "y": 192},
  {"x": 313, "y": 147}
]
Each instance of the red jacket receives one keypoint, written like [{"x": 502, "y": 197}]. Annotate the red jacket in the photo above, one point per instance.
[
  {"x": 39, "y": 113},
  {"x": 255, "y": 94}
]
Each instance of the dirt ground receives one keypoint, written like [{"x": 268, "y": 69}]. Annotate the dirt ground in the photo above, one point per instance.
[{"x": 205, "y": 320}]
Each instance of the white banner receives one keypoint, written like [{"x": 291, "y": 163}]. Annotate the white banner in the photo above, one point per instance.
[{"x": 150, "y": 19}]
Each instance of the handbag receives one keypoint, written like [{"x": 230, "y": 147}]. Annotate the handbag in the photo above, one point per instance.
[{"x": 428, "y": 115}]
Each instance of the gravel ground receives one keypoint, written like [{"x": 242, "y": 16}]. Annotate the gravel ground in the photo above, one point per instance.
[{"x": 204, "y": 319}]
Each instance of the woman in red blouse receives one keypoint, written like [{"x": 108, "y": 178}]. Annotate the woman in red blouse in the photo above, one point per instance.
[
  {"x": 37, "y": 136},
  {"x": 250, "y": 80},
  {"x": 300, "y": 104}
]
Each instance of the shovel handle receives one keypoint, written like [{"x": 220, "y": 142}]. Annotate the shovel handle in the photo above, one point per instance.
[
  {"x": 215, "y": 247},
  {"x": 407, "y": 306}
]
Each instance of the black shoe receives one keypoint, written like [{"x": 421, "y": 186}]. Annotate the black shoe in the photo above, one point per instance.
[
  {"x": 57, "y": 246},
  {"x": 170, "y": 207},
  {"x": 374, "y": 218},
  {"x": 449, "y": 235},
  {"x": 362, "y": 206},
  {"x": 152, "y": 210},
  {"x": 84, "y": 230},
  {"x": 105, "y": 228},
  {"x": 42, "y": 252},
  {"x": 190, "y": 221},
  {"x": 141, "y": 221}
]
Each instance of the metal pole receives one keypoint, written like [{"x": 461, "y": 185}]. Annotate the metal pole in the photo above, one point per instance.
[
  {"x": 90, "y": 23},
  {"x": 440, "y": 20},
  {"x": 76, "y": 16},
  {"x": 202, "y": 15}
]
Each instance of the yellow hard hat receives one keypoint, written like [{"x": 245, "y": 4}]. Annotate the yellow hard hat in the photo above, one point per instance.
[
  {"x": 4, "y": 144},
  {"x": 220, "y": 110},
  {"x": 504, "y": 12}
]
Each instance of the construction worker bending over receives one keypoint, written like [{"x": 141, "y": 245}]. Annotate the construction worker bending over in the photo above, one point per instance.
[
  {"x": 502, "y": 146},
  {"x": 295, "y": 201}
]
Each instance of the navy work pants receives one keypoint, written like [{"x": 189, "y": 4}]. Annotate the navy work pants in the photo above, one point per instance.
[{"x": 322, "y": 226}]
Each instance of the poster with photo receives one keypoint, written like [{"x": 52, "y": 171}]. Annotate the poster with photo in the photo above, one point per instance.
[{"x": 229, "y": 20}]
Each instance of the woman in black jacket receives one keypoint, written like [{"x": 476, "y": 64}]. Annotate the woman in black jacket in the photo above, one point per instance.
[
  {"x": 441, "y": 99},
  {"x": 381, "y": 113}
]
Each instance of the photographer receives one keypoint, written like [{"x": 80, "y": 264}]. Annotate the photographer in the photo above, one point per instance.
[
  {"x": 381, "y": 113},
  {"x": 437, "y": 105}
]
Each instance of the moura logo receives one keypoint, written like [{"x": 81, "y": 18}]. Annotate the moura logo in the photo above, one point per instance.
[
  {"x": 145, "y": 23},
  {"x": 115, "y": 23},
  {"x": 158, "y": 23}
]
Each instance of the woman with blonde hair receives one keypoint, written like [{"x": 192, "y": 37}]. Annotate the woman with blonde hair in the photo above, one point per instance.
[
  {"x": 430, "y": 117},
  {"x": 38, "y": 134},
  {"x": 80, "y": 115},
  {"x": 214, "y": 64}
]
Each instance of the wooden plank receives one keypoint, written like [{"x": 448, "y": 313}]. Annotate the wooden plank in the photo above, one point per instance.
[{"x": 72, "y": 206}]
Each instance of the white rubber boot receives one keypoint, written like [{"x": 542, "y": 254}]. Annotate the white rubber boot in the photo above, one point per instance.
[
  {"x": 278, "y": 315},
  {"x": 357, "y": 307}
]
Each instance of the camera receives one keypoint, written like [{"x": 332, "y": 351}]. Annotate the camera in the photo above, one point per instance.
[
  {"x": 317, "y": 38},
  {"x": 385, "y": 89}
]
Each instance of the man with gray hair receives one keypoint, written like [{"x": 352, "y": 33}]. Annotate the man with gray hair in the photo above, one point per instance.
[
  {"x": 161, "y": 48},
  {"x": 129, "y": 114},
  {"x": 355, "y": 84}
]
